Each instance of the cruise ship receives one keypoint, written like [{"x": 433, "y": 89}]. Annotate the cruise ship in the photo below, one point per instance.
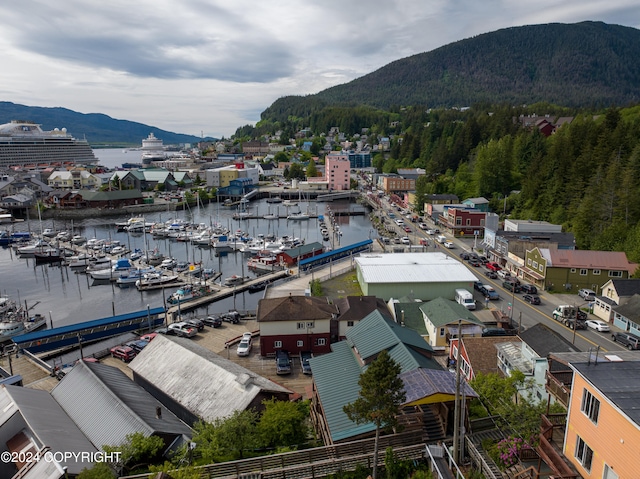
[
  {"x": 24, "y": 143},
  {"x": 152, "y": 150}
]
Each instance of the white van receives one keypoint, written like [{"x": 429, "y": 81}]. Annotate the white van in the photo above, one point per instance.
[
  {"x": 465, "y": 298},
  {"x": 441, "y": 238}
]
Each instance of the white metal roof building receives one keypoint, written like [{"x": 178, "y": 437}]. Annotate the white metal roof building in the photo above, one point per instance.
[
  {"x": 197, "y": 384},
  {"x": 421, "y": 275}
]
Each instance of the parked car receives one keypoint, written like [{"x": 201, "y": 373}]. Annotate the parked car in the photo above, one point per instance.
[
  {"x": 489, "y": 292},
  {"x": 431, "y": 232},
  {"x": 423, "y": 226},
  {"x": 244, "y": 346},
  {"x": 283, "y": 362},
  {"x": 474, "y": 262},
  {"x": 587, "y": 294},
  {"x": 503, "y": 273},
  {"x": 478, "y": 286},
  {"x": 304, "y": 361},
  {"x": 464, "y": 255},
  {"x": 528, "y": 288},
  {"x": 231, "y": 317},
  {"x": 148, "y": 336},
  {"x": 196, "y": 323},
  {"x": 626, "y": 339},
  {"x": 407, "y": 229},
  {"x": 493, "y": 266},
  {"x": 448, "y": 244},
  {"x": 405, "y": 240},
  {"x": 183, "y": 329},
  {"x": 487, "y": 332},
  {"x": 137, "y": 345},
  {"x": 510, "y": 286},
  {"x": 213, "y": 321},
  {"x": 124, "y": 353},
  {"x": 598, "y": 325},
  {"x": 531, "y": 298},
  {"x": 483, "y": 259},
  {"x": 491, "y": 274}
]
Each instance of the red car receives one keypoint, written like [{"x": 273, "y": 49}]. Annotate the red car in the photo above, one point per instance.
[
  {"x": 407, "y": 229},
  {"x": 124, "y": 353},
  {"x": 493, "y": 266}
]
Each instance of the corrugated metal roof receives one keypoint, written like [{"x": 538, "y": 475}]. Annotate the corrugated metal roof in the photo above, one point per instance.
[
  {"x": 413, "y": 268},
  {"x": 574, "y": 258},
  {"x": 336, "y": 378},
  {"x": 206, "y": 384},
  {"x": 93, "y": 390},
  {"x": 441, "y": 312},
  {"x": 47, "y": 421}
]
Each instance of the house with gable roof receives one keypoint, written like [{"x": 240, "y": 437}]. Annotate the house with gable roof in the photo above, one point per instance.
[
  {"x": 613, "y": 293},
  {"x": 627, "y": 316},
  {"x": 437, "y": 320},
  {"x": 295, "y": 324},
  {"x": 570, "y": 270},
  {"x": 429, "y": 389}
]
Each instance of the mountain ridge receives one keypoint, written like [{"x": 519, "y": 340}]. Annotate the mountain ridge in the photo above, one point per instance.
[
  {"x": 99, "y": 129},
  {"x": 587, "y": 64}
]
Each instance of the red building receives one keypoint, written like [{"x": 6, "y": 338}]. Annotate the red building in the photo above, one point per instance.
[
  {"x": 294, "y": 324},
  {"x": 463, "y": 221},
  {"x": 292, "y": 256}
]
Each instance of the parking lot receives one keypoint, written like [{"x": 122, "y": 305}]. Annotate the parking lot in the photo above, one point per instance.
[{"x": 223, "y": 341}]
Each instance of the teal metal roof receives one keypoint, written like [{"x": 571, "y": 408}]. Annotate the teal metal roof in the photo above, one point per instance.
[
  {"x": 375, "y": 333},
  {"x": 336, "y": 374},
  {"x": 442, "y": 312},
  {"x": 336, "y": 378}
]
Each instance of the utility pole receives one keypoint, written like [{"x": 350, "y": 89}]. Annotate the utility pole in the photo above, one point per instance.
[{"x": 456, "y": 419}]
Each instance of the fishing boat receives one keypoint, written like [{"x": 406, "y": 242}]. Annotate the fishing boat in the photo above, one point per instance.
[
  {"x": 49, "y": 256},
  {"x": 264, "y": 263},
  {"x": 120, "y": 266},
  {"x": 188, "y": 292},
  {"x": 14, "y": 326}
]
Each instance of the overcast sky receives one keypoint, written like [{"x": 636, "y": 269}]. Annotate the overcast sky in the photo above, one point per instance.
[{"x": 210, "y": 66}]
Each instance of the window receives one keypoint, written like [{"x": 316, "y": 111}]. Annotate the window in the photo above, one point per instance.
[
  {"x": 441, "y": 331},
  {"x": 277, "y": 344},
  {"x": 349, "y": 324},
  {"x": 608, "y": 473},
  {"x": 583, "y": 272},
  {"x": 458, "y": 220},
  {"x": 310, "y": 325},
  {"x": 596, "y": 271},
  {"x": 528, "y": 261},
  {"x": 321, "y": 341},
  {"x": 615, "y": 274},
  {"x": 583, "y": 454},
  {"x": 535, "y": 265},
  {"x": 468, "y": 221},
  {"x": 590, "y": 406},
  {"x": 300, "y": 326},
  {"x": 300, "y": 343},
  {"x": 540, "y": 268}
]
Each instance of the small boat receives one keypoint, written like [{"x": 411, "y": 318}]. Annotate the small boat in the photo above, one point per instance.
[
  {"x": 122, "y": 265},
  {"x": 137, "y": 254},
  {"x": 48, "y": 256},
  {"x": 130, "y": 277},
  {"x": 49, "y": 233},
  {"x": 78, "y": 240},
  {"x": 298, "y": 216},
  {"x": 290, "y": 203},
  {"x": 86, "y": 261},
  {"x": 235, "y": 280},
  {"x": 13, "y": 325},
  {"x": 275, "y": 199},
  {"x": 29, "y": 251},
  {"x": 155, "y": 279},
  {"x": 63, "y": 236},
  {"x": 168, "y": 263},
  {"x": 270, "y": 216},
  {"x": 188, "y": 292},
  {"x": 254, "y": 288},
  {"x": 207, "y": 273}
]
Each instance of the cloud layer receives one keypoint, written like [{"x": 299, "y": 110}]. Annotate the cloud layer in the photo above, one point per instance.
[{"x": 209, "y": 66}]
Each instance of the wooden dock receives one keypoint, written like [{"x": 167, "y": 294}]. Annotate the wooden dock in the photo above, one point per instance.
[{"x": 224, "y": 292}]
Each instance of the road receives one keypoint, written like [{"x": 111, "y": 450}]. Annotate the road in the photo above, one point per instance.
[{"x": 524, "y": 313}]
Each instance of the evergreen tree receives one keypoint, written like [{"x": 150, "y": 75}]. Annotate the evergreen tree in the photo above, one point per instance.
[{"x": 381, "y": 394}]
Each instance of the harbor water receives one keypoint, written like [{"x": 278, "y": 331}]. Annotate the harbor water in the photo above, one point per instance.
[{"x": 66, "y": 297}]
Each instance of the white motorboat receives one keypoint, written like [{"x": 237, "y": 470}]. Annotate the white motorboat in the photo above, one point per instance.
[
  {"x": 29, "y": 251},
  {"x": 235, "y": 280},
  {"x": 155, "y": 279},
  {"x": 78, "y": 240},
  {"x": 298, "y": 216},
  {"x": 120, "y": 266},
  {"x": 130, "y": 277},
  {"x": 49, "y": 233}
]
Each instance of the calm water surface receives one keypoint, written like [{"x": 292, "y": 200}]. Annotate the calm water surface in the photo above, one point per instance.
[{"x": 70, "y": 298}]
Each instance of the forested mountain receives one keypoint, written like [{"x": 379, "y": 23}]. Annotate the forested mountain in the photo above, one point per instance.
[
  {"x": 97, "y": 128},
  {"x": 589, "y": 64}
]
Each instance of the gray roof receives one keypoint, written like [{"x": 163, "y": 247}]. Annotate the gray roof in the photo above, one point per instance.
[
  {"x": 93, "y": 390},
  {"x": 46, "y": 420},
  {"x": 626, "y": 287},
  {"x": 544, "y": 340},
  {"x": 630, "y": 309},
  {"x": 619, "y": 381},
  {"x": 204, "y": 383}
]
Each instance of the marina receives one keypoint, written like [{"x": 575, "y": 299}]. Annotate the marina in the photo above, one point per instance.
[{"x": 67, "y": 296}]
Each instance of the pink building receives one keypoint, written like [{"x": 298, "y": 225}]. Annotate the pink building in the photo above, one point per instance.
[{"x": 337, "y": 172}]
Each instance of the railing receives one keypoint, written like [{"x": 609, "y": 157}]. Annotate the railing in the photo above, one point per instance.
[
  {"x": 316, "y": 462},
  {"x": 489, "y": 470}
]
